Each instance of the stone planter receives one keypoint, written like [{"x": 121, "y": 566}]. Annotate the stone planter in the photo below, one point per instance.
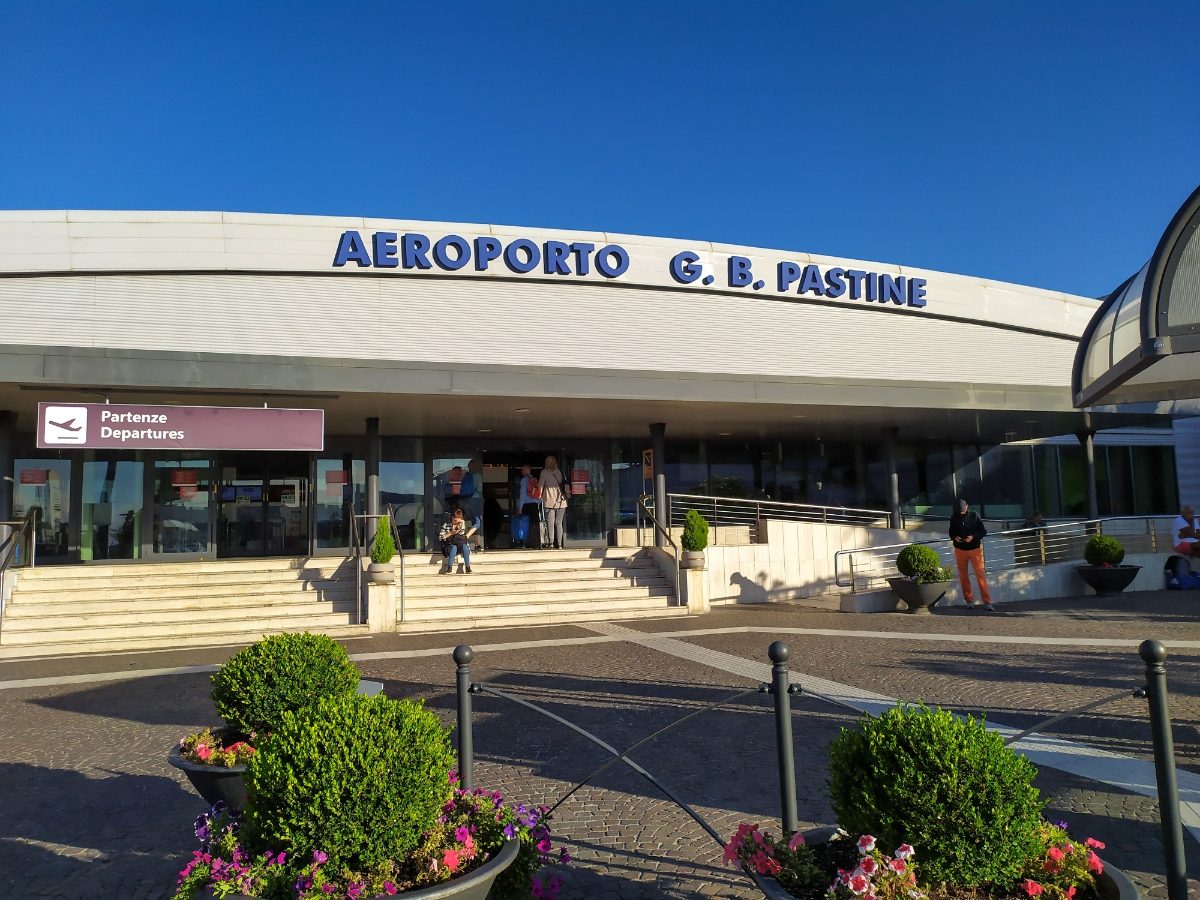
[
  {"x": 475, "y": 885},
  {"x": 381, "y": 573},
  {"x": 691, "y": 559},
  {"x": 1108, "y": 579},
  {"x": 228, "y": 784},
  {"x": 919, "y": 598},
  {"x": 1112, "y": 883}
]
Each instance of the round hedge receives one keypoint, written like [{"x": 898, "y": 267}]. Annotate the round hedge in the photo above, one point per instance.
[
  {"x": 919, "y": 562},
  {"x": 1103, "y": 550},
  {"x": 947, "y": 786},
  {"x": 360, "y": 778},
  {"x": 280, "y": 673}
]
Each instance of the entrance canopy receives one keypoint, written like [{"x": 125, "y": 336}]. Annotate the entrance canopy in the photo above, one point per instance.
[{"x": 1144, "y": 341}]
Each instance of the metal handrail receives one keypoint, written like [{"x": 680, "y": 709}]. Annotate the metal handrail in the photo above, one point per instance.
[
  {"x": 727, "y": 511},
  {"x": 666, "y": 533},
  {"x": 358, "y": 546},
  {"x": 399, "y": 552},
  {"x": 865, "y": 567},
  {"x": 10, "y": 548}
]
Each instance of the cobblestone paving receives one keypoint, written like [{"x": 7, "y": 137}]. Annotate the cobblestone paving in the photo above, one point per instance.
[{"x": 91, "y": 808}]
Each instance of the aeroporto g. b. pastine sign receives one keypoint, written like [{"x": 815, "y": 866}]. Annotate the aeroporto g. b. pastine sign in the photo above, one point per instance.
[
  {"x": 135, "y": 426},
  {"x": 523, "y": 256}
]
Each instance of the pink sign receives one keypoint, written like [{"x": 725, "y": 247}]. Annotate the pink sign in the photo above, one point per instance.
[
  {"x": 138, "y": 427},
  {"x": 33, "y": 476}
]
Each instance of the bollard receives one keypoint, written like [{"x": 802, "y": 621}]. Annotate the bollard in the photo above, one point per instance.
[
  {"x": 1154, "y": 654},
  {"x": 781, "y": 690},
  {"x": 463, "y": 654}
]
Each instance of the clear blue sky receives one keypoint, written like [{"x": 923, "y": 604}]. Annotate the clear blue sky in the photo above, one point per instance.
[{"x": 1045, "y": 143}]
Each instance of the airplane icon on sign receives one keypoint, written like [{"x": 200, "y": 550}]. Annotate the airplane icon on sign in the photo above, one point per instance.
[{"x": 68, "y": 425}]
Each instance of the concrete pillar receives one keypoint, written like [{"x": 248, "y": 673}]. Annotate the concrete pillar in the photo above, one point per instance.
[
  {"x": 7, "y": 449},
  {"x": 373, "y": 449},
  {"x": 658, "y": 441},
  {"x": 1087, "y": 439},
  {"x": 892, "y": 476}
]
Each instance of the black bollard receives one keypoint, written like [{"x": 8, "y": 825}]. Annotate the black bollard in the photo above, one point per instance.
[
  {"x": 463, "y": 654},
  {"x": 781, "y": 690},
  {"x": 1154, "y": 654}
]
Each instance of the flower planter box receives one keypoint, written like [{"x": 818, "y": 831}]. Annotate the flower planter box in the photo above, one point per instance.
[
  {"x": 692, "y": 559},
  {"x": 1112, "y": 883},
  {"x": 475, "y": 885},
  {"x": 1108, "y": 579},
  {"x": 227, "y": 784},
  {"x": 919, "y": 598}
]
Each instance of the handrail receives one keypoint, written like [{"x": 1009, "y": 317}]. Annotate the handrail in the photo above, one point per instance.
[
  {"x": 359, "y": 546},
  {"x": 666, "y": 533},
  {"x": 1020, "y": 547},
  {"x": 739, "y": 511},
  {"x": 10, "y": 548},
  {"x": 399, "y": 551}
]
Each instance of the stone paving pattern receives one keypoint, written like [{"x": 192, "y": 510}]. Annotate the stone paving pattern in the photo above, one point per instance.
[{"x": 91, "y": 808}]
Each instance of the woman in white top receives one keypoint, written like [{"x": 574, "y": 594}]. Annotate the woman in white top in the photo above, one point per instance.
[{"x": 554, "y": 501}]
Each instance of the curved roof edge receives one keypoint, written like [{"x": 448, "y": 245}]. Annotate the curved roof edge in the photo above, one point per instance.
[{"x": 1143, "y": 343}]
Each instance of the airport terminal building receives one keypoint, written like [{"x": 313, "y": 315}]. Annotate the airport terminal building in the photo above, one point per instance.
[{"x": 179, "y": 386}]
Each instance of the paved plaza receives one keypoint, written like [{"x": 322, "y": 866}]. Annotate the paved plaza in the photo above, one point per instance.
[{"x": 92, "y": 809}]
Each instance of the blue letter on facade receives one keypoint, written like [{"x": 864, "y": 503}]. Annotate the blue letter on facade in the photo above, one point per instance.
[
  {"x": 415, "y": 249},
  {"x": 811, "y": 282},
  {"x": 462, "y": 252},
  {"x": 684, "y": 268},
  {"x": 581, "y": 249},
  {"x": 486, "y": 249},
  {"x": 611, "y": 268},
  {"x": 513, "y": 259},
  {"x": 351, "y": 247},
  {"x": 739, "y": 271},
  {"x": 856, "y": 276},
  {"x": 556, "y": 258},
  {"x": 789, "y": 274},
  {"x": 916, "y": 292},
  {"x": 835, "y": 278},
  {"x": 385, "y": 249}
]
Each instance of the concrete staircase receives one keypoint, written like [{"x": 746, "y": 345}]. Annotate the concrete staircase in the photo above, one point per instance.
[
  {"x": 59, "y": 610},
  {"x": 512, "y": 588}
]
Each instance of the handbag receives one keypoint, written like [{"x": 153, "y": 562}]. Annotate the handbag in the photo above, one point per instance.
[{"x": 564, "y": 490}]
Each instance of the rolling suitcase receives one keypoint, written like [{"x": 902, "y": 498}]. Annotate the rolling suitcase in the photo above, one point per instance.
[{"x": 520, "y": 529}]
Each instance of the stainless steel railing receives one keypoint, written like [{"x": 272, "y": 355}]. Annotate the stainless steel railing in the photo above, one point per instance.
[
  {"x": 358, "y": 549},
  {"x": 22, "y": 536},
  {"x": 865, "y": 568},
  {"x": 733, "y": 511},
  {"x": 665, "y": 531}
]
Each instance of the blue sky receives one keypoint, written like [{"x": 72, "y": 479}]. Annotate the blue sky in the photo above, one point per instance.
[{"x": 1041, "y": 143}]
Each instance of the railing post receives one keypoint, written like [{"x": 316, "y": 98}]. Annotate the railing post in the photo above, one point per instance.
[
  {"x": 781, "y": 690},
  {"x": 463, "y": 654},
  {"x": 1153, "y": 535},
  {"x": 1042, "y": 544},
  {"x": 1154, "y": 654}
]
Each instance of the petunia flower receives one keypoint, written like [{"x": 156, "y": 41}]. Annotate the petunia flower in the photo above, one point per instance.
[
  {"x": 858, "y": 883},
  {"x": 867, "y": 865},
  {"x": 1031, "y": 887},
  {"x": 1094, "y": 844},
  {"x": 898, "y": 864},
  {"x": 905, "y": 851},
  {"x": 1094, "y": 863},
  {"x": 320, "y": 857},
  {"x": 866, "y": 844},
  {"x": 796, "y": 841}
]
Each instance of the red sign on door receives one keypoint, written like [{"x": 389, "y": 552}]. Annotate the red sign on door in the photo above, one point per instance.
[
  {"x": 187, "y": 491},
  {"x": 337, "y": 476},
  {"x": 33, "y": 476},
  {"x": 184, "y": 476}
]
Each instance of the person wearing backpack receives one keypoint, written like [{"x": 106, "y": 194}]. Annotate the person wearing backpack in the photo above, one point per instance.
[{"x": 529, "y": 506}]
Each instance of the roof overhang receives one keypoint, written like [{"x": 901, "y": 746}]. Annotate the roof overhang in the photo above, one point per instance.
[{"x": 1143, "y": 343}]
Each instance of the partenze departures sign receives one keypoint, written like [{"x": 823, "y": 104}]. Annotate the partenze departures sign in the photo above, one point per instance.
[{"x": 521, "y": 256}]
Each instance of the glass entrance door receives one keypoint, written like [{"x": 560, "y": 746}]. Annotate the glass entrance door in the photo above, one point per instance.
[
  {"x": 263, "y": 505},
  {"x": 586, "y": 521},
  {"x": 180, "y": 496}
]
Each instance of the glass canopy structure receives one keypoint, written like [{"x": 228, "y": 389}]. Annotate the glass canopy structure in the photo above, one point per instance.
[{"x": 1143, "y": 343}]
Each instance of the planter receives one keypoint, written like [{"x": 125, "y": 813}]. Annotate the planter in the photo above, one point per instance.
[
  {"x": 918, "y": 597},
  {"x": 1108, "y": 579},
  {"x": 475, "y": 885},
  {"x": 1111, "y": 884},
  {"x": 228, "y": 785},
  {"x": 692, "y": 559},
  {"x": 381, "y": 573}
]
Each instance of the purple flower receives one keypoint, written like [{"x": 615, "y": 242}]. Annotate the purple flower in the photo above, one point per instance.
[
  {"x": 319, "y": 857},
  {"x": 354, "y": 891},
  {"x": 461, "y": 834},
  {"x": 1061, "y": 824},
  {"x": 389, "y": 889},
  {"x": 510, "y": 831},
  {"x": 563, "y": 856}
]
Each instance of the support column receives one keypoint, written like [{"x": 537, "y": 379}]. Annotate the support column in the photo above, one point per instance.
[
  {"x": 658, "y": 441},
  {"x": 1087, "y": 439},
  {"x": 372, "y": 478},
  {"x": 7, "y": 444},
  {"x": 893, "y": 477}
]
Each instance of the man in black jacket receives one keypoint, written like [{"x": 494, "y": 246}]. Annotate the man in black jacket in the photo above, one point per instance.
[{"x": 967, "y": 533}]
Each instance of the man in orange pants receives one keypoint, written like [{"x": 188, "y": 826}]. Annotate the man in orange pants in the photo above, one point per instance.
[{"x": 967, "y": 533}]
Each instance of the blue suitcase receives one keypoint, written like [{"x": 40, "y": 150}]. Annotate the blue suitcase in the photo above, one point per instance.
[{"x": 520, "y": 529}]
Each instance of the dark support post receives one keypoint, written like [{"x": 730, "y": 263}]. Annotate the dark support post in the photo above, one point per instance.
[
  {"x": 463, "y": 654},
  {"x": 1154, "y": 654},
  {"x": 658, "y": 441},
  {"x": 6, "y": 465},
  {"x": 372, "y": 479},
  {"x": 781, "y": 691},
  {"x": 1087, "y": 439},
  {"x": 893, "y": 477}
]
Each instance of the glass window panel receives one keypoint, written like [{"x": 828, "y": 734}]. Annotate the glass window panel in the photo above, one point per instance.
[
  {"x": 46, "y": 485},
  {"x": 1072, "y": 474},
  {"x": 733, "y": 469},
  {"x": 340, "y": 488},
  {"x": 1049, "y": 501},
  {"x": 182, "y": 494},
  {"x": 111, "y": 515},
  {"x": 938, "y": 483},
  {"x": 966, "y": 474},
  {"x": 1155, "y": 491},
  {"x": 685, "y": 468},
  {"x": 1117, "y": 474},
  {"x": 402, "y": 486},
  {"x": 1007, "y": 490}
]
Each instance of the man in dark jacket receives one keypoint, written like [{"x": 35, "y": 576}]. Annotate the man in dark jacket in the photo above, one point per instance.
[{"x": 967, "y": 533}]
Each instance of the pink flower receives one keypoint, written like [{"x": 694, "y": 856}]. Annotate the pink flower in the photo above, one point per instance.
[
  {"x": 796, "y": 841},
  {"x": 1094, "y": 844},
  {"x": 866, "y": 844},
  {"x": 1094, "y": 863},
  {"x": 731, "y": 851},
  {"x": 897, "y": 864},
  {"x": 867, "y": 865},
  {"x": 450, "y": 859},
  {"x": 354, "y": 891},
  {"x": 389, "y": 889},
  {"x": 904, "y": 851},
  {"x": 1070, "y": 892},
  {"x": 319, "y": 857},
  {"x": 203, "y": 751},
  {"x": 544, "y": 845},
  {"x": 858, "y": 883},
  {"x": 1031, "y": 887}
]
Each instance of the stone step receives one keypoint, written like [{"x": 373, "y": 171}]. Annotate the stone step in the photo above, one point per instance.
[
  {"x": 127, "y": 644},
  {"x": 184, "y": 590},
  {"x": 25, "y": 616},
  {"x": 460, "y": 587},
  {"x": 525, "y": 621},
  {"x": 188, "y": 568},
  {"x": 485, "y": 563},
  {"x": 533, "y": 574},
  {"x": 148, "y": 580},
  {"x": 181, "y": 632},
  {"x": 513, "y": 606}
]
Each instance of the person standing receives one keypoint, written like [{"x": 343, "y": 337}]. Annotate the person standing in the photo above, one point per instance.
[
  {"x": 554, "y": 489},
  {"x": 967, "y": 534},
  {"x": 1186, "y": 533},
  {"x": 529, "y": 503}
]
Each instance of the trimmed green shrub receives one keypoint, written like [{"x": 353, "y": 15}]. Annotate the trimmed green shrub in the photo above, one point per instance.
[
  {"x": 359, "y": 778},
  {"x": 922, "y": 564},
  {"x": 383, "y": 548},
  {"x": 695, "y": 531},
  {"x": 944, "y": 784},
  {"x": 1102, "y": 550},
  {"x": 280, "y": 673}
]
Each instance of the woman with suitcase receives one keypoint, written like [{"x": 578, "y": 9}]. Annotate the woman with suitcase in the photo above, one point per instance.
[{"x": 554, "y": 488}]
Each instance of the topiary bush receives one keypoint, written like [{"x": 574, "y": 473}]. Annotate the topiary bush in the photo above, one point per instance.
[
  {"x": 922, "y": 564},
  {"x": 695, "y": 531},
  {"x": 359, "y": 778},
  {"x": 280, "y": 673},
  {"x": 1102, "y": 550},
  {"x": 943, "y": 784},
  {"x": 383, "y": 548}
]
